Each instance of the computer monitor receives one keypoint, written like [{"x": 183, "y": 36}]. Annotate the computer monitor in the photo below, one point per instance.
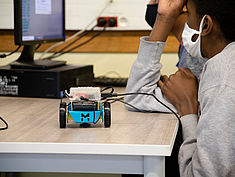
[{"x": 37, "y": 22}]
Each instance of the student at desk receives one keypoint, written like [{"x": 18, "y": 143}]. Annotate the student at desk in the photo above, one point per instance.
[
  {"x": 208, "y": 139},
  {"x": 185, "y": 59}
]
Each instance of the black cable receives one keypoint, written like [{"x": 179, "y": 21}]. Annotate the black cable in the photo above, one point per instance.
[
  {"x": 178, "y": 140},
  {"x": 113, "y": 100},
  {"x": 121, "y": 100},
  {"x": 83, "y": 43},
  {"x": 67, "y": 95},
  {"x": 67, "y": 46},
  {"x": 106, "y": 88},
  {"x": 150, "y": 94},
  {"x": 79, "y": 45},
  {"x": 39, "y": 45},
  {"x": 6, "y": 127},
  {"x": 106, "y": 95},
  {"x": 6, "y": 55}
]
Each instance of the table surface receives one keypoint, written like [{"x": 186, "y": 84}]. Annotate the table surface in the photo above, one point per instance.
[{"x": 34, "y": 128}]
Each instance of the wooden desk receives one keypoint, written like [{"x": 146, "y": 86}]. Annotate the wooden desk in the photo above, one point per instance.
[{"x": 136, "y": 143}]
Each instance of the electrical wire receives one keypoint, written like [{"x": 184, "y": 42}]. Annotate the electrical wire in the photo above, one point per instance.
[
  {"x": 6, "y": 124},
  {"x": 78, "y": 33},
  {"x": 113, "y": 100},
  {"x": 178, "y": 140},
  {"x": 79, "y": 45},
  {"x": 67, "y": 46},
  {"x": 39, "y": 45},
  {"x": 67, "y": 94},
  {"x": 106, "y": 88},
  {"x": 6, "y": 55},
  {"x": 137, "y": 109},
  {"x": 111, "y": 72},
  {"x": 110, "y": 95},
  {"x": 150, "y": 94},
  {"x": 83, "y": 43}
]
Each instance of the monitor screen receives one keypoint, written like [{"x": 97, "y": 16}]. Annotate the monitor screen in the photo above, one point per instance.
[{"x": 37, "y": 22}]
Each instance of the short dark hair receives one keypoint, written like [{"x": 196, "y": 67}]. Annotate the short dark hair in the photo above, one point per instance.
[{"x": 222, "y": 11}]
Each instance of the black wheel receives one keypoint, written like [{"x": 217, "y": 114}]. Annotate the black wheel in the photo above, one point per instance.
[
  {"x": 62, "y": 115},
  {"x": 107, "y": 114}
]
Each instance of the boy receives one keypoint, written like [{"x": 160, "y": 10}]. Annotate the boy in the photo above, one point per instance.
[{"x": 208, "y": 147}]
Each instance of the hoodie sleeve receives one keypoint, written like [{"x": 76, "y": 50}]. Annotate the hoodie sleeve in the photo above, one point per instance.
[{"x": 144, "y": 76}]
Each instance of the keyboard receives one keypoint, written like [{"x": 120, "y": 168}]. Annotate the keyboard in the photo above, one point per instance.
[{"x": 111, "y": 81}]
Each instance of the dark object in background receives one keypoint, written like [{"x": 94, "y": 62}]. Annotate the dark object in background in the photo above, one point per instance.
[
  {"x": 151, "y": 14},
  {"x": 110, "y": 81},
  {"x": 44, "y": 83}
]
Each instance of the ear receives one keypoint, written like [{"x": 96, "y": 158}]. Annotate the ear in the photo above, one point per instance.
[{"x": 207, "y": 26}]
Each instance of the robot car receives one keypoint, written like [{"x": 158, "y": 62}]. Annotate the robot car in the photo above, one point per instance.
[{"x": 84, "y": 107}]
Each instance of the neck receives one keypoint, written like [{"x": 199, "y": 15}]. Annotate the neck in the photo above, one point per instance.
[
  {"x": 217, "y": 48},
  {"x": 214, "y": 44}
]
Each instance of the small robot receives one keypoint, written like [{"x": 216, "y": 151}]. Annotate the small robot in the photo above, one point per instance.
[{"x": 84, "y": 107}]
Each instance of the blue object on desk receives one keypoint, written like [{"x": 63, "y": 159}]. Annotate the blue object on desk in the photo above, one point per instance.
[{"x": 85, "y": 112}]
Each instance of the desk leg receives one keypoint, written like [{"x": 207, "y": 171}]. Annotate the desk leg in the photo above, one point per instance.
[{"x": 154, "y": 166}]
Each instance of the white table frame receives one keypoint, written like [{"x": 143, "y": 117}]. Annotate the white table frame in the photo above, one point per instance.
[{"x": 83, "y": 158}]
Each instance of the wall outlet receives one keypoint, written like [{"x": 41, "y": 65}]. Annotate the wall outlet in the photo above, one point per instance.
[{"x": 107, "y": 21}]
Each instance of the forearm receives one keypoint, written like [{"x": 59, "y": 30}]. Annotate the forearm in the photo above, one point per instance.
[
  {"x": 144, "y": 75},
  {"x": 168, "y": 13},
  {"x": 145, "y": 71},
  {"x": 162, "y": 28}
]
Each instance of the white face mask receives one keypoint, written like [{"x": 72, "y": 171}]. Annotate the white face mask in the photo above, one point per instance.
[{"x": 192, "y": 47}]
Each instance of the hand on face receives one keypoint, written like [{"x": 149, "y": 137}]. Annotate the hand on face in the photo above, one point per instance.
[
  {"x": 170, "y": 8},
  {"x": 181, "y": 89},
  {"x": 168, "y": 12}
]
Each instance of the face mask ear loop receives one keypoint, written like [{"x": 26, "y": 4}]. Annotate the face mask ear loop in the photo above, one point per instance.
[
  {"x": 201, "y": 24},
  {"x": 200, "y": 31}
]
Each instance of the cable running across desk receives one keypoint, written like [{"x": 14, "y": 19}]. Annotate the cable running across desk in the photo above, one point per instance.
[
  {"x": 6, "y": 127},
  {"x": 111, "y": 95}
]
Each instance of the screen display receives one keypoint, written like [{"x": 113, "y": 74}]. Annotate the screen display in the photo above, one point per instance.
[{"x": 42, "y": 20}]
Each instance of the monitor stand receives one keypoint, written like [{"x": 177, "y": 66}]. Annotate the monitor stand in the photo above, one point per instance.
[{"x": 26, "y": 60}]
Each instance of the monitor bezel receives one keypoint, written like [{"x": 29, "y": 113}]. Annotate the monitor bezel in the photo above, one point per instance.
[{"x": 18, "y": 26}]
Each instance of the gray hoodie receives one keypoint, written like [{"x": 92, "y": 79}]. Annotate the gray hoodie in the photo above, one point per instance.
[{"x": 208, "y": 149}]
